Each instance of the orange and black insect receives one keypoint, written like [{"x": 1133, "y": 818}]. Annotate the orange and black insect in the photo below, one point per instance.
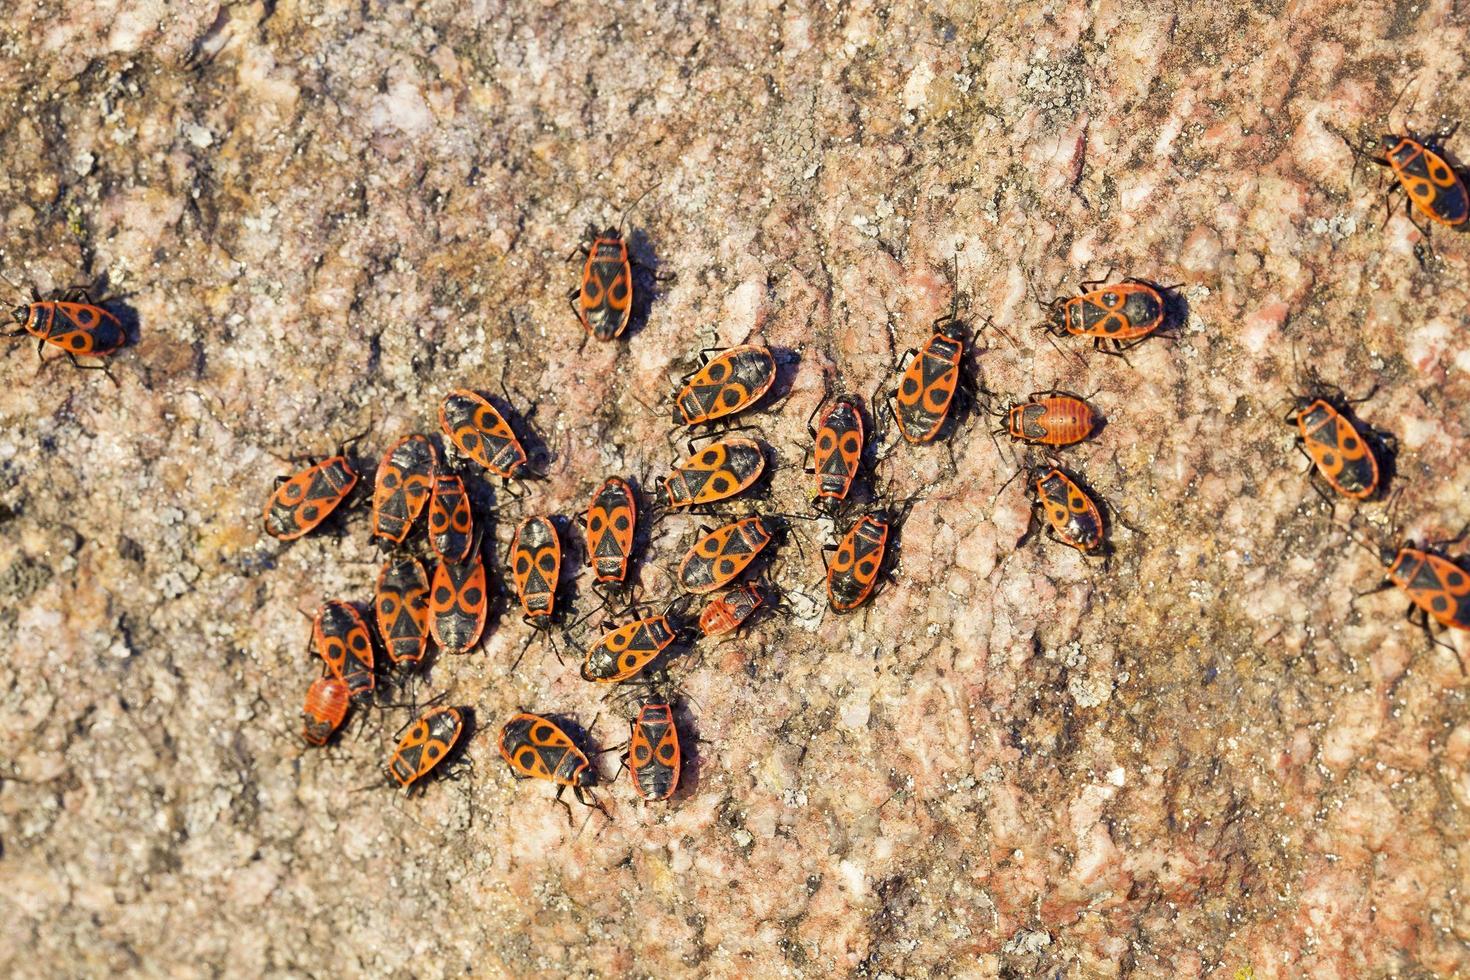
[
  {"x": 480, "y": 432},
  {"x": 1121, "y": 314},
  {"x": 429, "y": 741},
  {"x": 837, "y": 449},
  {"x": 451, "y": 522},
  {"x": 302, "y": 501},
  {"x": 716, "y": 472},
  {"x": 1071, "y": 516},
  {"x": 720, "y": 555},
  {"x": 624, "y": 651},
  {"x": 1341, "y": 453},
  {"x": 458, "y": 603},
  {"x": 610, "y": 522},
  {"x": 603, "y": 301},
  {"x": 535, "y": 566},
  {"x": 727, "y": 613},
  {"x": 537, "y": 748},
  {"x": 1432, "y": 186},
  {"x": 853, "y": 571},
  {"x": 1049, "y": 418},
  {"x": 1437, "y": 587},
  {"x": 653, "y": 752},
  {"x": 327, "y": 701},
  {"x": 340, "y": 637},
  {"x": 402, "y": 486},
  {"x": 730, "y": 382},
  {"x": 72, "y": 322},
  {"x": 402, "y": 607},
  {"x": 926, "y": 388}
]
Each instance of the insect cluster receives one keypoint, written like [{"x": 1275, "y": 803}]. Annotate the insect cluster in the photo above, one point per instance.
[
  {"x": 445, "y": 601},
  {"x": 442, "y": 599}
]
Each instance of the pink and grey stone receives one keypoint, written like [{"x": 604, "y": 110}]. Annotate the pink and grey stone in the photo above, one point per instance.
[{"x": 1206, "y": 759}]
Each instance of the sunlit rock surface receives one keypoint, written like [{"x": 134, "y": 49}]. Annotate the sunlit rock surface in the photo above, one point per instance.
[{"x": 1201, "y": 759}]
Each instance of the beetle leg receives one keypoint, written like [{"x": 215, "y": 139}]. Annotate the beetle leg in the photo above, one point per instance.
[
  {"x": 1030, "y": 526},
  {"x": 524, "y": 647},
  {"x": 1327, "y": 498},
  {"x": 1157, "y": 332},
  {"x": 90, "y": 367},
  {"x": 1380, "y": 587},
  {"x": 564, "y": 806},
  {"x": 1099, "y": 345},
  {"x": 652, "y": 271},
  {"x": 1388, "y": 202},
  {"x": 582, "y": 795},
  {"x": 827, "y": 564},
  {"x": 1311, "y": 463},
  {"x": 1423, "y": 623}
]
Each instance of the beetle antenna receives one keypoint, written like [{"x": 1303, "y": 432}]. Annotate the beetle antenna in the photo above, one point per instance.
[
  {"x": 622, "y": 221},
  {"x": 1019, "y": 471},
  {"x": 990, "y": 322},
  {"x": 1394, "y": 104},
  {"x": 524, "y": 647}
]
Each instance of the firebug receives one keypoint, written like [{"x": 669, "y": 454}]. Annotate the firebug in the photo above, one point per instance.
[
  {"x": 1347, "y": 454},
  {"x": 730, "y": 382},
  {"x": 429, "y": 740},
  {"x": 1070, "y": 514},
  {"x": 728, "y": 612},
  {"x": 837, "y": 449},
  {"x": 71, "y": 321},
  {"x": 1120, "y": 315},
  {"x": 722, "y": 554},
  {"x": 610, "y": 521},
  {"x": 603, "y": 301},
  {"x": 624, "y": 651},
  {"x": 1438, "y": 587},
  {"x": 536, "y": 747},
  {"x": 451, "y": 521},
  {"x": 1432, "y": 186},
  {"x": 340, "y": 637},
  {"x": 1049, "y": 418},
  {"x": 716, "y": 472},
  {"x": 535, "y": 565},
  {"x": 458, "y": 603},
  {"x": 480, "y": 432},
  {"x": 402, "y": 486},
  {"x": 853, "y": 571},
  {"x": 927, "y": 386},
  {"x": 653, "y": 752},
  {"x": 302, "y": 501},
  {"x": 401, "y": 603},
  {"x": 327, "y": 701}
]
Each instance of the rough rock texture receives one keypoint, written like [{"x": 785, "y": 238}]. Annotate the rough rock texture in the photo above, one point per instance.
[{"x": 1204, "y": 759}]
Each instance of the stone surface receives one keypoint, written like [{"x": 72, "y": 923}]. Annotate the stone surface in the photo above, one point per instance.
[{"x": 1204, "y": 759}]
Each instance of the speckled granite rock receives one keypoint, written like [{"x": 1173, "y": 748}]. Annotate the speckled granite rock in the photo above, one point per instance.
[{"x": 1203, "y": 760}]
